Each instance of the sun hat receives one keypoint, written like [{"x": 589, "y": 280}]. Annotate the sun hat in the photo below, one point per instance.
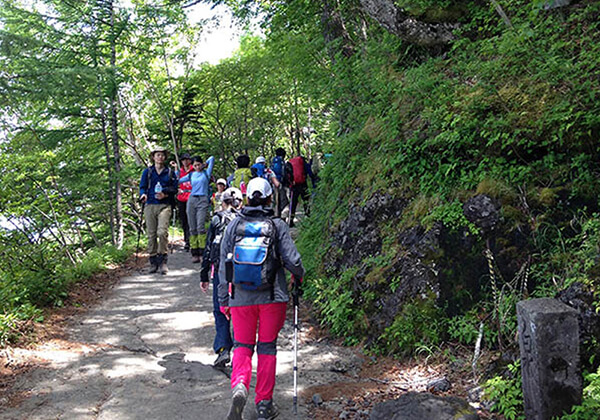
[
  {"x": 157, "y": 149},
  {"x": 260, "y": 185},
  {"x": 260, "y": 159},
  {"x": 221, "y": 181}
]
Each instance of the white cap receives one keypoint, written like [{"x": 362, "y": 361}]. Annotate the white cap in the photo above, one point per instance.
[
  {"x": 261, "y": 185},
  {"x": 221, "y": 181},
  {"x": 260, "y": 159}
]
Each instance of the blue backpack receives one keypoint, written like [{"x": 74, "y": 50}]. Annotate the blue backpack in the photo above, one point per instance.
[
  {"x": 278, "y": 165},
  {"x": 254, "y": 262}
]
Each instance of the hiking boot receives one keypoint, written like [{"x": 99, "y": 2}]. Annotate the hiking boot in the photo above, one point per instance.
[
  {"x": 266, "y": 410},
  {"x": 154, "y": 265},
  {"x": 238, "y": 401},
  {"x": 222, "y": 359},
  {"x": 196, "y": 255},
  {"x": 163, "y": 263},
  {"x": 164, "y": 269}
]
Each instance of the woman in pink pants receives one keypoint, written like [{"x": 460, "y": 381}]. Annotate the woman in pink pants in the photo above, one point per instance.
[{"x": 257, "y": 310}]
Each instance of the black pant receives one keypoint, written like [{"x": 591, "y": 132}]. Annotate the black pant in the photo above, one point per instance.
[
  {"x": 300, "y": 190},
  {"x": 181, "y": 209}
]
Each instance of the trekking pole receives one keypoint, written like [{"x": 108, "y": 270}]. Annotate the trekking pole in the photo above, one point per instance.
[
  {"x": 290, "y": 217},
  {"x": 172, "y": 245},
  {"x": 296, "y": 300},
  {"x": 137, "y": 247}
]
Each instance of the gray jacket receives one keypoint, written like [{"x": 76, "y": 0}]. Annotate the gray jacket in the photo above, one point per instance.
[{"x": 289, "y": 255}]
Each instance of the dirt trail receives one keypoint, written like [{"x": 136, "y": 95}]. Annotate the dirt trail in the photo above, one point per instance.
[{"x": 145, "y": 352}]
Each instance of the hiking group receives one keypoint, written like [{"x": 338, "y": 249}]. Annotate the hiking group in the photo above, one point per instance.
[{"x": 244, "y": 253}]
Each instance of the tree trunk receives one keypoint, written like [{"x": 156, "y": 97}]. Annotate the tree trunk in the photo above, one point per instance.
[{"x": 114, "y": 130}]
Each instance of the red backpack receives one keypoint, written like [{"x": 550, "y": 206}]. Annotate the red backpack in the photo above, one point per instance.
[{"x": 298, "y": 169}]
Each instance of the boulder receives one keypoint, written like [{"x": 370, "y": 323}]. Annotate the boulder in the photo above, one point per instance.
[{"x": 424, "y": 406}]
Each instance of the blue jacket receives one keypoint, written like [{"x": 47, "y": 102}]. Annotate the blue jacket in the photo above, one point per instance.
[
  {"x": 167, "y": 179},
  {"x": 200, "y": 180}
]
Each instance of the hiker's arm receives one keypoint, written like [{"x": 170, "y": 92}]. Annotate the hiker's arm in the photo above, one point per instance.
[
  {"x": 186, "y": 178},
  {"x": 210, "y": 162},
  {"x": 288, "y": 251}
]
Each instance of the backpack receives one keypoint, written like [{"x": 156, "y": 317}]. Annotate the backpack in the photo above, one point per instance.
[
  {"x": 241, "y": 177},
  {"x": 254, "y": 260},
  {"x": 258, "y": 170},
  {"x": 297, "y": 164},
  {"x": 215, "y": 247},
  {"x": 278, "y": 167}
]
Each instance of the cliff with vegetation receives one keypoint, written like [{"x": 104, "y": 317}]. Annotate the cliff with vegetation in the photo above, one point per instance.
[{"x": 461, "y": 143}]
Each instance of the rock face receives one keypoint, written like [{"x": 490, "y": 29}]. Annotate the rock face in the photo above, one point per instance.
[
  {"x": 360, "y": 237},
  {"x": 482, "y": 211},
  {"x": 579, "y": 297},
  {"x": 393, "y": 19},
  {"x": 424, "y": 406}
]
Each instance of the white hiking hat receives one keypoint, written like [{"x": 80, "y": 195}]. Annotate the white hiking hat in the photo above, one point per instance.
[
  {"x": 221, "y": 181},
  {"x": 260, "y": 185},
  {"x": 260, "y": 159}
]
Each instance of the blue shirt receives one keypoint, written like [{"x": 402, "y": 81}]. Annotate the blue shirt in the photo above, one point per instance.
[
  {"x": 149, "y": 180},
  {"x": 200, "y": 180}
]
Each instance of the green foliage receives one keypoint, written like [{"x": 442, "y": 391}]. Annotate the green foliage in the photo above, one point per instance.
[
  {"x": 590, "y": 406},
  {"x": 451, "y": 215},
  {"x": 335, "y": 301},
  {"x": 25, "y": 291},
  {"x": 412, "y": 330},
  {"x": 506, "y": 393}
]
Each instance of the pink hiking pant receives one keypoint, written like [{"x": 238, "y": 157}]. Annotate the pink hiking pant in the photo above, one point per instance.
[{"x": 268, "y": 319}]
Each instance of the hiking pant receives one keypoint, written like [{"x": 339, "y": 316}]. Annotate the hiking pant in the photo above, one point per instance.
[
  {"x": 197, "y": 209},
  {"x": 157, "y": 224},
  {"x": 268, "y": 319},
  {"x": 182, "y": 209},
  {"x": 300, "y": 190},
  {"x": 223, "y": 335},
  {"x": 281, "y": 199}
]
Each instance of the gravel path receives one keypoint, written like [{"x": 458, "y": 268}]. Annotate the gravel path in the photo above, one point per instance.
[{"x": 145, "y": 352}]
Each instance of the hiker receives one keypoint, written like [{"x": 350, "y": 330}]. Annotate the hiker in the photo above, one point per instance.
[
  {"x": 242, "y": 175},
  {"x": 217, "y": 197},
  {"x": 297, "y": 170},
  {"x": 158, "y": 187},
  {"x": 198, "y": 203},
  {"x": 260, "y": 168},
  {"x": 183, "y": 195},
  {"x": 280, "y": 193},
  {"x": 259, "y": 294},
  {"x": 232, "y": 202}
]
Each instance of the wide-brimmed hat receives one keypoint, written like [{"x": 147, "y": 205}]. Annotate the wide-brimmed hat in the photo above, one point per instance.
[
  {"x": 222, "y": 181},
  {"x": 158, "y": 149}
]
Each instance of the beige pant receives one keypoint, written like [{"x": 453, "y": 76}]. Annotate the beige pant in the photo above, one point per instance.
[{"x": 157, "y": 224}]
